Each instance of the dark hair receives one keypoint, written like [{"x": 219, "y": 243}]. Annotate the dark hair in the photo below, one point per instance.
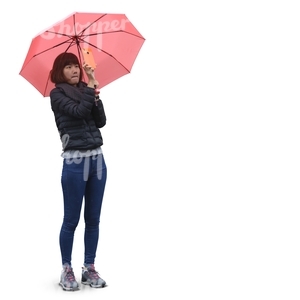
[{"x": 62, "y": 60}]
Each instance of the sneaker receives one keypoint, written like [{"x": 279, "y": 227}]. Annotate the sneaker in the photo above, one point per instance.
[
  {"x": 91, "y": 277},
  {"x": 67, "y": 279}
]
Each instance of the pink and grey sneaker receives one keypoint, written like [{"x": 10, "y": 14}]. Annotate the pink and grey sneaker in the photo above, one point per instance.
[
  {"x": 67, "y": 279},
  {"x": 91, "y": 277}
]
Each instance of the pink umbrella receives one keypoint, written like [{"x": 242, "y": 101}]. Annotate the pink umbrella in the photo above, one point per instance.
[{"x": 112, "y": 38}]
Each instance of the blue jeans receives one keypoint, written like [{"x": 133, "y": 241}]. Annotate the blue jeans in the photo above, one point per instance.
[{"x": 83, "y": 177}]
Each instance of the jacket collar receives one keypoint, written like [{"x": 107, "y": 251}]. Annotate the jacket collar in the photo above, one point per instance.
[{"x": 74, "y": 92}]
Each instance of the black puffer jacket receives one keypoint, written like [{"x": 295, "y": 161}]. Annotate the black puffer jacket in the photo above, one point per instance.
[{"x": 77, "y": 117}]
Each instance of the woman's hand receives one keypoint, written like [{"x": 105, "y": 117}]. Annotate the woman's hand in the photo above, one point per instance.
[{"x": 92, "y": 82}]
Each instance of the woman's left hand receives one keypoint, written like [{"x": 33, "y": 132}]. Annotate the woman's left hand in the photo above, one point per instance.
[
  {"x": 89, "y": 71},
  {"x": 91, "y": 76}
]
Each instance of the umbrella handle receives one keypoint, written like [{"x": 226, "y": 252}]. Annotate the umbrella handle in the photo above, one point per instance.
[{"x": 97, "y": 92}]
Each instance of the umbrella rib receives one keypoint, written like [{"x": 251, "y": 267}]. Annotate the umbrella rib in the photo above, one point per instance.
[
  {"x": 81, "y": 33},
  {"x": 58, "y": 33},
  {"x": 54, "y": 46},
  {"x": 46, "y": 85},
  {"x": 116, "y": 31}
]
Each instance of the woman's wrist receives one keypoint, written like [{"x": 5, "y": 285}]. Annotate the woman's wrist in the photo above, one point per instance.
[{"x": 91, "y": 84}]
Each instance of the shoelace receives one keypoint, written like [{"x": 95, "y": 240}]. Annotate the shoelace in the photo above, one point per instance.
[
  {"x": 70, "y": 275},
  {"x": 93, "y": 273}
]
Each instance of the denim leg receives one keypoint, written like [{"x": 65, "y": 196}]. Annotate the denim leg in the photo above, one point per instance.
[
  {"x": 93, "y": 202},
  {"x": 73, "y": 186}
]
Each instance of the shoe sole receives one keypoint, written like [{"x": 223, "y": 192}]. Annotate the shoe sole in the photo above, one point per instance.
[
  {"x": 93, "y": 285},
  {"x": 68, "y": 289}
]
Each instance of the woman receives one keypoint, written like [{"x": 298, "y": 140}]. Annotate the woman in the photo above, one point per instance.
[{"x": 79, "y": 114}]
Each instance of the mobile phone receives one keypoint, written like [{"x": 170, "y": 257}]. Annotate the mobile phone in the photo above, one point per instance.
[{"x": 88, "y": 57}]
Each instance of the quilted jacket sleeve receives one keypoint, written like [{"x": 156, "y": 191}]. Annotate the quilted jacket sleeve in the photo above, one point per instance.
[{"x": 99, "y": 114}]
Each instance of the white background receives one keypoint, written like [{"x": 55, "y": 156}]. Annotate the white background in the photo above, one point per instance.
[{"x": 202, "y": 148}]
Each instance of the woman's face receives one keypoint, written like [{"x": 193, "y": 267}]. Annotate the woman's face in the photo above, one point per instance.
[{"x": 72, "y": 73}]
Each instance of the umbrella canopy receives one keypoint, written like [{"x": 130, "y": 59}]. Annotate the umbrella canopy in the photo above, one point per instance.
[{"x": 112, "y": 38}]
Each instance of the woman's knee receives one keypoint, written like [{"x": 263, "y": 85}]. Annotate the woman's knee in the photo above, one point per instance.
[{"x": 69, "y": 226}]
